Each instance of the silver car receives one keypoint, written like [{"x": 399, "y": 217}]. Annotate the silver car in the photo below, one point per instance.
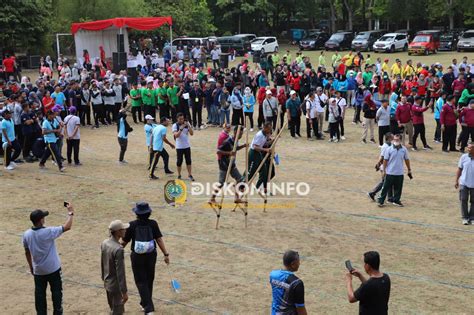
[{"x": 466, "y": 41}]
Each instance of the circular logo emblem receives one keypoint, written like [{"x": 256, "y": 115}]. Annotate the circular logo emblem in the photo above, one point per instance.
[{"x": 175, "y": 192}]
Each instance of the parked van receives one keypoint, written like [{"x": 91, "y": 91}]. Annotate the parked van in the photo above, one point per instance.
[
  {"x": 425, "y": 42},
  {"x": 365, "y": 40},
  {"x": 391, "y": 42},
  {"x": 339, "y": 40},
  {"x": 240, "y": 43},
  {"x": 189, "y": 42}
]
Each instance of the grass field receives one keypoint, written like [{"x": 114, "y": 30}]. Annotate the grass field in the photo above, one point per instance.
[{"x": 423, "y": 246}]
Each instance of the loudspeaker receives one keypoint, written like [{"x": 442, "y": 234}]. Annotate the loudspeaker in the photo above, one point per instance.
[
  {"x": 224, "y": 60},
  {"x": 34, "y": 62},
  {"x": 120, "y": 61},
  {"x": 120, "y": 43}
]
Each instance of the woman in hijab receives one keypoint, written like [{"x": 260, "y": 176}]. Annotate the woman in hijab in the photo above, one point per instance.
[
  {"x": 249, "y": 102},
  {"x": 237, "y": 103}
]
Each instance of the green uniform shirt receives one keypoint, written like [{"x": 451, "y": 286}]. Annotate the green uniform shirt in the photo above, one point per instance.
[
  {"x": 367, "y": 77},
  {"x": 161, "y": 91},
  {"x": 148, "y": 97},
  {"x": 172, "y": 95},
  {"x": 135, "y": 102}
]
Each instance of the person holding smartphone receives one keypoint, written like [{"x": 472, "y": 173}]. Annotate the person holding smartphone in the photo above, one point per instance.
[
  {"x": 43, "y": 258},
  {"x": 374, "y": 293},
  {"x": 181, "y": 131}
]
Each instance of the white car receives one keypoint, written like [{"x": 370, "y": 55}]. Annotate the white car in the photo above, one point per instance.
[
  {"x": 264, "y": 44},
  {"x": 391, "y": 42}
]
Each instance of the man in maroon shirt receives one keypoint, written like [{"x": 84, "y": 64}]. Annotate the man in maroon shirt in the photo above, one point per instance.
[
  {"x": 8, "y": 67},
  {"x": 458, "y": 86},
  {"x": 448, "y": 119},
  {"x": 419, "y": 123},
  {"x": 467, "y": 116},
  {"x": 403, "y": 114}
]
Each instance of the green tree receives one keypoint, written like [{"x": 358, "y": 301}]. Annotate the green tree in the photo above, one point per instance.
[{"x": 24, "y": 23}]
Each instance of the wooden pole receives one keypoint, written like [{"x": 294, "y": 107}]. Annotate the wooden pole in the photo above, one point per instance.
[
  {"x": 272, "y": 155},
  {"x": 229, "y": 167}
]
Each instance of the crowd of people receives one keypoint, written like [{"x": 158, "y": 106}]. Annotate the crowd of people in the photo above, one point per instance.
[{"x": 39, "y": 114}]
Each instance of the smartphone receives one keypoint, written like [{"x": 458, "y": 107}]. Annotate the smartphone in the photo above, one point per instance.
[
  {"x": 410, "y": 176},
  {"x": 66, "y": 204},
  {"x": 349, "y": 265}
]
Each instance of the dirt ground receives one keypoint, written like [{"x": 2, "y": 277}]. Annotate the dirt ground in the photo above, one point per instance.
[{"x": 424, "y": 248}]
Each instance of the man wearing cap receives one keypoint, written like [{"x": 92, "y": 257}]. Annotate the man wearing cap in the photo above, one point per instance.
[
  {"x": 9, "y": 142},
  {"x": 270, "y": 108},
  {"x": 43, "y": 259},
  {"x": 113, "y": 267},
  {"x": 293, "y": 110},
  {"x": 158, "y": 137},
  {"x": 51, "y": 132},
  {"x": 144, "y": 234},
  {"x": 72, "y": 124}
]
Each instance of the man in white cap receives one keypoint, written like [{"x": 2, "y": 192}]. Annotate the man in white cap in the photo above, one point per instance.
[
  {"x": 113, "y": 268},
  {"x": 270, "y": 108},
  {"x": 149, "y": 126}
]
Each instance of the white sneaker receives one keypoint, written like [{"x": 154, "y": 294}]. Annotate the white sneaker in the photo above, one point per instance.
[
  {"x": 343, "y": 138},
  {"x": 465, "y": 221},
  {"x": 330, "y": 140},
  {"x": 251, "y": 129},
  {"x": 203, "y": 127},
  {"x": 9, "y": 167},
  {"x": 13, "y": 164},
  {"x": 336, "y": 140}
]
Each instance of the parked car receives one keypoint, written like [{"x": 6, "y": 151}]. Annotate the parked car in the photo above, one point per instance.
[
  {"x": 425, "y": 42},
  {"x": 189, "y": 42},
  {"x": 365, "y": 40},
  {"x": 391, "y": 42},
  {"x": 448, "y": 41},
  {"x": 339, "y": 40},
  {"x": 265, "y": 44},
  {"x": 314, "y": 41},
  {"x": 241, "y": 43},
  {"x": 466, "y": 41}
]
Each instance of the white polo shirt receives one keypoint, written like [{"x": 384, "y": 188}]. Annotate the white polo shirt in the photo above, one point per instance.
[
  {"x": 466, "y": 164},
  {"x": 260, "y": 139}
]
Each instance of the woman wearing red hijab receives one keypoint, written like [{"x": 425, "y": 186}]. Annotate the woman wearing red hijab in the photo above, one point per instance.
[
  {"x": 260, "y": 98},
  {"x": 102, "y": 56},
  {"x": 48, "y": 102},
  {"x": 282, "y": 103}
]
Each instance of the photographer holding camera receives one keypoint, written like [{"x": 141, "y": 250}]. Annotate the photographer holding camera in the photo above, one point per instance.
[
  {"x": 182, "y": 129},
  {"x": 374, "y": 293}
]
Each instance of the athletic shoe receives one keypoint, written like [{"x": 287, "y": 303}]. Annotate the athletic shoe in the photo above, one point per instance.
[
  {"x": 336, "y": 140},
  {"x": 445, "y": 151},
  {"x": 414, "y": 149},
  {"x": 123, "y": 162},
  {"x": 19, "y": 161},
  {"x": 427, "y": 147},
  {"x": 330, "y": 140},
  {"x": 78, "y": 164},
  {"x": 371, "y": 196},
  {"x": 179, "y": 176},
  {"x": 42, "y": 166},
  {"x": 454, "y": 150},
  {"x": 310, "y": 139},
  {"x": 153, "y": 177},
  {"x": 169, "y": 172},
  {"x": 191, "y": 178},
  {"x": 353, "y": 123},
  {"x": 465, "y": 221},
  {"x": 364, "y": 141},
  {"x": 9, "y": 167},
  {"x": 372, "y": 141},
  {"x": 13, "y": 164},
  {"x": 343, "y": 138},
  {"x": 62, "y": 169},
  {"x": 398, "y": 204},
  {"x": 379, "y": 204},
  {"x": 298, "y": 135},
  {"x": 251, "y": 129}
]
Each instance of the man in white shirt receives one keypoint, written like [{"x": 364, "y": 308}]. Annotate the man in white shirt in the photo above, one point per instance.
[
  {"x": 341, "y": 102},
  {"x": 465, "y": 183},
  {"x": 72, "y": 134},
  {"x": 311, "y": 117},
  {"x": 180, "y": 53},
  {"x": 321, "y": 102},
  {"x": 379, "y": 167},
  {"x": 196, "y": 53},
  {"x": 181, "y": 131},
  {"x": 215, "y": 52},
  {"x": 270, "y": 108},
  {"x": 258, "y": 149}
]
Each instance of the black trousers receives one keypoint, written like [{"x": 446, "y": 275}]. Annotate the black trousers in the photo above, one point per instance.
[
  {"x": 28, "y": 141},
  {"x": 469, "y": 132},
  {"x": 341, "y": 125},
  {"x": 394, "y": 127},
  {"x": 143, "y": 267},
  {"x": 110, "y": 113},
  {"x": 379, "y": 187},
  {"x": 382, "y": 131},
  {"x": 56, "y": 286},
  {"x": 166, "y": 159},
  {"x": 261, "y": 118},
  {"x": 197, "y": 115},
  {"x": 357, "y": 114},
  {"x": 73, "y": 145},
  {"x": 250, "y": 118},
  {"x": 118, "y": 107},
  {"x": 437, "y": 134},
  {"x": 137, "y": 110},
  {"x": 123, "y": 147},
  {"x": 449, "y": 137},
  {"x": 419, "y": 130},
  {"x": 164, "y": 110},
  {"x": 52, "y": 149},
  {"x": 180, "y": 153},
  {"x": 173, "y": 113},
  {"x": 334, "y": 130},
  {"x": 237, "y": 117},
  {"x": 295, "y": 125},
  {"x": 215, "y": 63},
  {"x": 19, "y": 133},
  {"x": 8, "y": 155},
  {"x": 85, "y": 114},
  {"x": 149, "y": 110},
  {"x": 315, "y": 127},
  {"x": 273, "y": 120},
  {"x": 99, "y": 114}
]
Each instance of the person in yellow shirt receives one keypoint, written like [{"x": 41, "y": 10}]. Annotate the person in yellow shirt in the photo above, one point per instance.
[
  {"x": 336, "y": 60},
  {"x": 287, "y": 56},
  {"x": 349, "y": 59},
  {"x": 322, "y": 59},
  {"x": 385, "y": 67},
  {"x": 396, "y": 69},
  {"x": 408, "y": 70}
]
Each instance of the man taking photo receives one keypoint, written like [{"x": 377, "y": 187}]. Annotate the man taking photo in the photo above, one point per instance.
[{"x": 374, "y": 293}]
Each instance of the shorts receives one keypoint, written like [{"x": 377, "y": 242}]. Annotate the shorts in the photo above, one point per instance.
[{"x": 187, "y": 156}]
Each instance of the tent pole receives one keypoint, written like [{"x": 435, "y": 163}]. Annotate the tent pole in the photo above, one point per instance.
[
  {"x": 171, "y": 39},
  {"x": 57, "y": 44}
]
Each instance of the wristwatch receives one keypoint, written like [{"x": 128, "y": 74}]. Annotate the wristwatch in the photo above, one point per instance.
[
  {"x": 166, "y": 255},
  {"x": 71, "y": 213}
]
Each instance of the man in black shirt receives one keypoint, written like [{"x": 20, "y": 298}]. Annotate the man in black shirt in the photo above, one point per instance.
[{"x": 374, "y": 293}]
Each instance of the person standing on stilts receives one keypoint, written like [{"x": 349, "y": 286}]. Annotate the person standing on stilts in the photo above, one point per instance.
[{"x": 258, "y": 149}]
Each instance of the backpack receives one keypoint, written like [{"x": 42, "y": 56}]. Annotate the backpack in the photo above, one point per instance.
[{"x": 144, "y": 242}]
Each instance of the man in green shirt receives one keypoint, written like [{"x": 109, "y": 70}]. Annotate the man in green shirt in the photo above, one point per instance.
[
  {"x": 162, "y": 100},
  {"x": 148, "y": 99},
  {"x": 172, "y": 93},
  {"x": 135, "y": 95},
  {"x": 336, "y": 60},
  {"x": 288, "y": 57},
  {"x": 322, "y": 59},
  {"x": 367, "y": 76},
  {"x": 275, "y": 59}
]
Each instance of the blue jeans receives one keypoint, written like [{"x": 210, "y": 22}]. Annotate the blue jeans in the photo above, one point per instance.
[
  {"x": 214, "y": 115},
  {"x": 224, "y": 113}
]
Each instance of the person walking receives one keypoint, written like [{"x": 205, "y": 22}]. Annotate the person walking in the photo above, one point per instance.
[
  {"x": 370, "y": 111},
  {"x": 379, "y": 167},
  {"x": 113, "y": 267},
  {"x": 51, "y": 131},
  {"x": 287, "y": 288},
  {"x": 448, "y": 120},
  {"x": 72, "y": 133},
  {"x": 181, "y": 131},
  {"x": 10, "y": 145},
  {"x": 29, "y": 130},
  {"x": 394, "y": 157},
  {"x": 293, "y": 110},
  {"x": 465, "y": 184},
  {"x": 374, "y": 293},
  {"x": 333, "y": 119},
  {"x": 145, "y": 236},
  {"x": 123, "y": 128},
  {"x": 312, "y": 125},
  {"x": 467, "y": 116},
  {"x": 158, "y": 137},
  {"x": 437, "y": 114},
  {"x": 43, "y": 259},
  {"x": 403, "y": 114},
  {"x": 419, "y": 123},
  {"x": 383, "y": 120}
]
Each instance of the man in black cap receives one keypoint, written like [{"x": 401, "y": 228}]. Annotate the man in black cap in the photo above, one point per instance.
[
  {"x": 43, "y": 259},
  {"x": 145, "y": 235}
]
